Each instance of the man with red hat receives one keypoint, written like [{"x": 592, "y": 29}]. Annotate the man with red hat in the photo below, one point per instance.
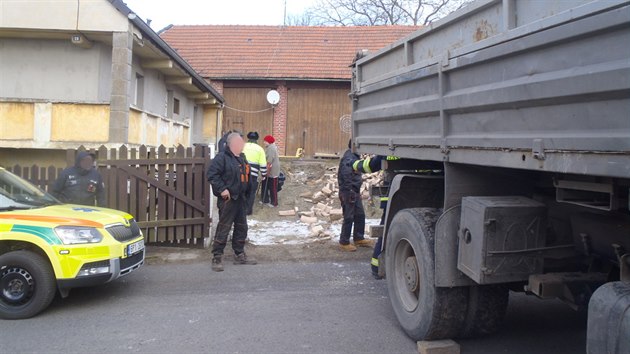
[{"x": 270, "y": 186}]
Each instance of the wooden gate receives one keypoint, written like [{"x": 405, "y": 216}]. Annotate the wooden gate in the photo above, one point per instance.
[
  {"x": 164, "y": 189},
  {"x": 313, "y": 120}
]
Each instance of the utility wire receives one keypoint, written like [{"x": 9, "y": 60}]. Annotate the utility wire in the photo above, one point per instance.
[{"x": 241, "y": 111}]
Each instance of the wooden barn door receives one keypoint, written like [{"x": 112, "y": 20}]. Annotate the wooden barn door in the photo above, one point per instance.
[
  {"x": 313, "y": 120},
  {"x": 247, "y": 109}
]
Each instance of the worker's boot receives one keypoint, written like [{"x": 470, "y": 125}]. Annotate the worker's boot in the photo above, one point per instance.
[
  {"x": 217, "y": 265},
  {"x": 347, "y": 248},
  {"x": 364, "y": 243},
  {"x": 242, "y": 259}
]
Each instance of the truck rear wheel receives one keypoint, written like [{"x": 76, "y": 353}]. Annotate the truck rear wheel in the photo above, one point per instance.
[
  {"x": 487, "y": 305},
  {"x": 27, "y": 284},
  {"x": 424, "y": 311}
]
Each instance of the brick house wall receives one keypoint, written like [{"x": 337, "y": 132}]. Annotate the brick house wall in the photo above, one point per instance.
[{"x": 280, "y": 119}]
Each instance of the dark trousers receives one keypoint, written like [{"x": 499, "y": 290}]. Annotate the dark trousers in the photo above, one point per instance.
[
  {"x": 270, "y": 191},
  {"x": 253, "y": 187},
  {"x": 231, "y": 212},
  {"x": 377, "y": 248},
  {"x": 353, "y": 214}
]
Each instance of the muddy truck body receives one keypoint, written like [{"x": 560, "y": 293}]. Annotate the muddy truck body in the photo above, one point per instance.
[{"x": 520, "y": 111}]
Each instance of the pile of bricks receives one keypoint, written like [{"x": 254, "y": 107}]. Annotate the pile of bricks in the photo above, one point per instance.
[{"x": 322, "y": 213}]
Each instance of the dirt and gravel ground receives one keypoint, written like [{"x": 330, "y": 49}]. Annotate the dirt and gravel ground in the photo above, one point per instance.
[{"x": 265, "y": 224}]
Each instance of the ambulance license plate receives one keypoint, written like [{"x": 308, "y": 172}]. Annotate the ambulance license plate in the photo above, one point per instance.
[{"x": 135, "y": 248}]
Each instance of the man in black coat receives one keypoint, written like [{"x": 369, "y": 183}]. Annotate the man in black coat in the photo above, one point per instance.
[
  {"x": 229, "y": 176},
  {"x": 81, "y": 183},
  {"x": 349, "y": 177}
]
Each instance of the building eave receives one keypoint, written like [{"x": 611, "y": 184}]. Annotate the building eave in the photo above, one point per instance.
[
  {"x": 256, "y": 78},
  {"x": 147, "y": 32}
]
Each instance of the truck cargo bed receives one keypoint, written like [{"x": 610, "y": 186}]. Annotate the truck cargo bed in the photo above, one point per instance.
[{"x": 538, "y": 85}]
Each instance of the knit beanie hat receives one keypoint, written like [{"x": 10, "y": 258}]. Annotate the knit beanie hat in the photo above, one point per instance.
[{"x": 269, "y": 139}]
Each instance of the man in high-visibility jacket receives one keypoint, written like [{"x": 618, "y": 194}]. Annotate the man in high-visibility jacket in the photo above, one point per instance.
[
  {"x": 255, "y": 155},
  {"x": 351, "y": 167}
]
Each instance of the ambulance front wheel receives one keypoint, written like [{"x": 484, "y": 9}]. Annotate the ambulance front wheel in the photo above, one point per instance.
[
  {"x": 424, "y": 311},
  {"x": 27, "y": 284}
]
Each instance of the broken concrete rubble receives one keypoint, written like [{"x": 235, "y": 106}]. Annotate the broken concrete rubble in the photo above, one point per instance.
[
  {"x": 335, "y": 214},
  {"x": 308, "y": 219},
  {"x": 316, "y": 230},
  {"x": 306, "y": 194},
  {"x": 322, "y": 194}
]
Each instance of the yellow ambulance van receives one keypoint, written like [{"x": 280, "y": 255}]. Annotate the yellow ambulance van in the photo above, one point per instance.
[{"x": 48, "y": 247}]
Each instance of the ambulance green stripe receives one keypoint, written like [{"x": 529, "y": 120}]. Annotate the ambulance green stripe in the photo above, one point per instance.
[{"x": 46, "y": 233}]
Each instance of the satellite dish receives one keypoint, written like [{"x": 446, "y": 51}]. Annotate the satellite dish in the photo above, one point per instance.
[
  {"x": 273, "y": 97},
  {"x": 345, "y": 123}
]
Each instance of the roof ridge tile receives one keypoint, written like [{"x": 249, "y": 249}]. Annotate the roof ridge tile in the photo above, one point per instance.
[{"x": 309, "y": 52}]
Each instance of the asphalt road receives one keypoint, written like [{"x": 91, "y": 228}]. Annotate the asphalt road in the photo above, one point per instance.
[{"x": 287, "y": 307}]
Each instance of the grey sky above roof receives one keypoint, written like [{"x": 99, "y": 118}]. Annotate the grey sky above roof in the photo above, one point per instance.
[{"x": 216, "y": 12}]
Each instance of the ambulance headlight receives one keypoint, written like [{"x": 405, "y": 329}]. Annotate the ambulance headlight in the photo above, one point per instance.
[{"x": 71, "y": 235}]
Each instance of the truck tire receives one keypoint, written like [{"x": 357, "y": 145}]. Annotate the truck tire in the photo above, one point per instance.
[
  {"x": 27, "y": 284},
  {"x": 609, "y": 319},
  {"x": 487, "y": 305},
  {"x": 424, "y": 311}
]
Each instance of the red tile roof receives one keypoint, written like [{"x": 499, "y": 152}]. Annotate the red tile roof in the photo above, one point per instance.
[{"x": 277, "y": 52}]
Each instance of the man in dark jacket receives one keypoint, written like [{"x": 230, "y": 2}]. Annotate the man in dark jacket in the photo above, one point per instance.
[
  {"x": 81, "y": 183},
  {"x": 351, "y": 167},
  {"x": 229, "y": 176}
]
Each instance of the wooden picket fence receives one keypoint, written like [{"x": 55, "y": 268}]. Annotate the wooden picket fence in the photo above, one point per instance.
[
  {"x": 42, "y": 177},
  {"x": 164, "y": 189}
]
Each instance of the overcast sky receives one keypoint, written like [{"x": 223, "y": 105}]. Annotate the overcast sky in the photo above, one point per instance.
[{"x": 215, "y": 12}]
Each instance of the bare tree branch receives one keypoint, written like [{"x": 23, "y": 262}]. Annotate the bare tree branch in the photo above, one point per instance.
[
  {"x": 437, "y": 6},
  {"x": 381, "y": 12},
  {"x": 307, "y": 18}
]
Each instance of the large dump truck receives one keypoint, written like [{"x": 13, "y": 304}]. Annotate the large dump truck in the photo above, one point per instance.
[{"x": 520, "y": 110}]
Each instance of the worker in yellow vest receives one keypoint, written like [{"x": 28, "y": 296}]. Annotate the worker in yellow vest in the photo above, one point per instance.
[
  {"x": 349, "y": 179},
  {"x": 255, "y": 155}
]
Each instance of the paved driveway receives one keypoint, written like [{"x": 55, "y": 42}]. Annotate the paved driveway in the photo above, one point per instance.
[{"x": 273, "y": 307}]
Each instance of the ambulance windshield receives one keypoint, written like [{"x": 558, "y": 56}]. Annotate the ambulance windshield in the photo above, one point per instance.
[{"x": 16, "y": 193}]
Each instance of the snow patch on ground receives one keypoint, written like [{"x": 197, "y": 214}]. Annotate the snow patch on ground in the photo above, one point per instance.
[{"x": 290, "y": 232}]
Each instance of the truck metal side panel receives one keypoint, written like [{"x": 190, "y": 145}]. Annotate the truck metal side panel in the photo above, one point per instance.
[{"x": 539, "y": 85}]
